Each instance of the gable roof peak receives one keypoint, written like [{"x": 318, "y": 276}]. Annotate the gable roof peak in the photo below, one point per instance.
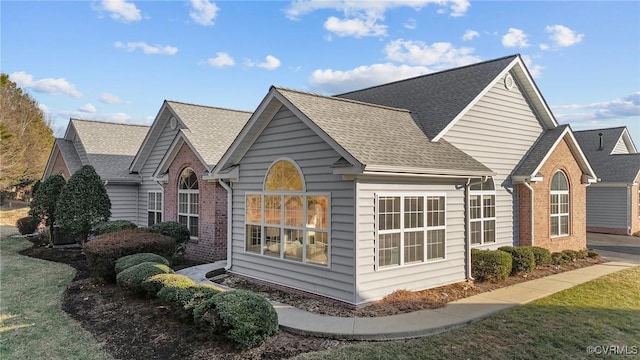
[
  {"x": 206, "y": 106},
  {"x": 106, "y": 122}
]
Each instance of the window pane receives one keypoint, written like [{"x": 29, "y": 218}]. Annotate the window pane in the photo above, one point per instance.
[
  {"x": 489, "y": 205},
  {"x": 183, "y": 203},
  {"x": 489, "y": 231},
  {"x": 475, "y": 228},
  {"x": 193, "y": 226},
  {"x": 254, "y": 237},
  {"x": 317, "y": 247},
  {"x": 554, "y": 226},
  {"x": 293, "y": 211},
  {"x": 435, "y": 211},
  {"x": 159, "y": 201},
  {"x": 150, "y": 218},
  {"x": 389, "y": 249},
  {"x": 283, "y": 175},
  {"x": 272, "y": 241},
  {"x": 272, "y": 209},
  {"x": 293, "y": 240},
  {"x": 559, "y": 181},
  {"x": 183, "y": 220},
  {"x": 554, "y": 204},
  {"x": 188, "y": 180},
  {"x": 151, "y": 202},
  {"x": 413, "y": 212},
  {"x": 389, "y": 213},
  {"x": 413, "y": 247},
  {"x": 435, "y": 244},
  {"x": 317, "y": 212},
  {"x": 564, "y": 203},
  {"x": 564, "y": 225},
  {"x": 193, "y": 206},
  {"x": 158, "y": 217},
  {"x": 475, "y": 209},
  {"x": 254, "y": 208}
]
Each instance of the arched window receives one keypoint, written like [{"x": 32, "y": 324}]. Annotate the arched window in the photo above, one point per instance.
[
  {"x": 482, "y": 213},
  {"x": 285, "y": 221},
  {"x": 188, "y": 200},
  {"x": 559, "y": 204}
]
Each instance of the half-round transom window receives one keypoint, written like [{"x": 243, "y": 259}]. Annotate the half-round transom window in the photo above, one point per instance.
[
  {"x": 188, "y": 180},
  {"x": 559, "y": 181},
  {"x": 284, "y": 176}
]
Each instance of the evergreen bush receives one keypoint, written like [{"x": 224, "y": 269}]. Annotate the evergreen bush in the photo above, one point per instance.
[
  {"x": 45, "y": 200},
  {"x": 176, "y": 230},
  {"x": 112, "y": 226},
  {"x": 541, "y": 255},
  {"x": 128, "y": 261},
  {"x": 490, "y": 265},
  {"x": 131, "y": 279},
  {"x": 28, "y": 225},
  {"x": 522, "y": 257}
]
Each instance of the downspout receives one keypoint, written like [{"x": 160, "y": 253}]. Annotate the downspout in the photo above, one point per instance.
[
  {"x": 229, "y": 219},
  {"x": 630, "y": 217},
  {"x": 532, "y": 207}
]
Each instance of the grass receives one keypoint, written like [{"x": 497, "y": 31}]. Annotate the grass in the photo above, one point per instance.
[
  {"x": 602, "y": 312},
  {"x": 32, "y": 323},
  {"x": 11, "y": 212}
]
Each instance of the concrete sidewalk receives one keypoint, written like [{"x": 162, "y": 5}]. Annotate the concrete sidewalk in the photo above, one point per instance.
[{"x": 425, "y": 322}]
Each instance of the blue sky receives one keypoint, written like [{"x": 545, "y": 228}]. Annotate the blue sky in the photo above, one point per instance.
[{"x": 118, "y": 60}]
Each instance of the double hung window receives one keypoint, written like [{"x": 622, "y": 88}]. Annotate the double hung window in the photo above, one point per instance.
[
  {"x": 482, "y": 213},
  {"x": 559, "y": 205},
  {"x": 188, "y": 201}
]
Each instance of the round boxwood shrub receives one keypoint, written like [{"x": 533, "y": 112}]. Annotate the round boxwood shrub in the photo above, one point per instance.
[
  {"x": 183, "y": 298},
  {"x": 155, "y": 283},
  {"x": 542, "y": 256},
  {"x": 177, "y": 231},
  {"x": 241, "y": 316},
  {"x": 490, "y": 265},
  {"x": 103, "y": 251},
  {"x": 131, "y": 279},
  {"x": 112, "y": 226},
  {"x": 128, "y": 261},
  {"x": 560, "y": 258},
  {"x": 28, "y": 225},
  {"x": 522, "y": 257},
  {"x": 571, "y": 254}
]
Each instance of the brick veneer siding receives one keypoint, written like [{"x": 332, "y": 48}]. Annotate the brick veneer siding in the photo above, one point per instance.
[
  {"x": 560, "y": 159},
  {"x": 59, "y": 167},
  {"x": 211, "y": 244}
]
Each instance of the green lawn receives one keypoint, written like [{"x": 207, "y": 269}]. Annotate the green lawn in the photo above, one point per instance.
[
  {"x": 32, "y": 323},
  {"x": 602, "y": 312}
]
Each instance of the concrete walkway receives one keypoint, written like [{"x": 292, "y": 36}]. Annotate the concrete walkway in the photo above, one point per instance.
[{"x": 425, "y": 322}]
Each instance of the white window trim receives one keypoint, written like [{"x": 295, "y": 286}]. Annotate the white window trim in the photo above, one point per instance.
[
  {"x": 282, "y": 226},
  {"x": 155, "y": 211},
  {"x": 402, "y": 230},
  {"x": 482, "y": 218},
  {"x": 560, "y": 214},
  {"x": 189, "y": 215}
]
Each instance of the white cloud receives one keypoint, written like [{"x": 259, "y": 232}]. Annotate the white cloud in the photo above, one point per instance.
[
  {"x": 563, "y": 36},
  {"x": 270, "y": 63},
  {"x": 44, "y": 108},
  {"x": 48, "y": 86},
  {"x": 121, "y": 10},
  {"x": 147, "y": 49},
  {"x": 625, "y": 107},
  {"x": 440, "y": 54},
  {"x": 87, "y": 108},
  {"x": 355, "y": 27},
  {"x": 515, "y": 38},
  {"x": 470, "y": 35},
  {"x": 110, "y": 99},
  {"x": 221, "y": 59},
  {"x": 335, "y": 81},
  {"x": 204, "y": 12},
  {"x": 411, "y": 24},
  {"x": 534, "y": 69},
  {"x": 544, "y": 46}
]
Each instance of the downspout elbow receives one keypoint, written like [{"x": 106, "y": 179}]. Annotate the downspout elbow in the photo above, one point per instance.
[{"x": 227, "y": 187}]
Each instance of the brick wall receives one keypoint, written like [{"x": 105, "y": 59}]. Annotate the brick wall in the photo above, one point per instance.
[
  {"x": 560, "y": 159},
  {"x": 211, "y": 244},
  {"x": 59, "y": 167}
]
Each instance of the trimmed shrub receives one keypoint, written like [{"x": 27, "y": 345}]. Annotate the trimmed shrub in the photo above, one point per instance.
[
  {"x": 128, "y": 261},
  {"x": 241, "y": 316},
  {"x": 571, "y": 254},
  {"x": 541, "y": 255},
  {"x": 103, "y": 251},
  {"x": 112, "y": 226},
  {"x": 155, "y": 283},
  {"x": 522, "y": 257},
  {"x": 560, "y": 258},
  {"x": 28, "y": 225},
  {"x": 582, "y": 254},
  {"x": 183, "y": 298},
  {"x": 177, "y": 231},
  {"x": 592, "y": 254},
  {"x": 45, "y": 200},
  {"x": 131, "y": 279},
  {"x": 490, "y": 265}
]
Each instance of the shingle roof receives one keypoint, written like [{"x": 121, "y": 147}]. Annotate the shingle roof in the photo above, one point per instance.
[
  {"x": 69, "y": 154},
  {"x": 380, "y": 136},
  {"x": 210, "y": 130},
  {"x": 435, "y": 99},
  {"x": 538, "y": 151},
  {"x": 617, "y": 168},
  {"x": 110, "y": 147}
]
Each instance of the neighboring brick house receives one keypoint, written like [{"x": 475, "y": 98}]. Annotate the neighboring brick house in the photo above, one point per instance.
[
  {"x": 361, "y": 194},
  {"x": 613, "y": 204}
]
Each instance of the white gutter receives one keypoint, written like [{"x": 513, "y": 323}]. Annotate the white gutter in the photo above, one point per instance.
[
  {"x": 229, "y": 219},
  {"x": 532, "y": 208}
]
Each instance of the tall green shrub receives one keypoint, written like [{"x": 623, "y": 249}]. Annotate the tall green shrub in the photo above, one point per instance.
[
  {"x": 45, "y": 200},
  {"x": 83, "y": 203}
]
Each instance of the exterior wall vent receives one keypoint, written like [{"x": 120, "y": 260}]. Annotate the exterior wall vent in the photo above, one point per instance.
[
  {"x": 509, "y": 83},
  {"x": 173, "y": 122}
]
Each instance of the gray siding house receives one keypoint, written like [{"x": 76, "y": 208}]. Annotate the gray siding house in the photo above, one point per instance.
[
  {"x": 109, "y": 148},
  {"x": 357, "y": 195},
  {"x": 613, "y": 204}
]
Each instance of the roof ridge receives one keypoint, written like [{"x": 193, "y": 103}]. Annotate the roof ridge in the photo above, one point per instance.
[
  {"x": 207, "y": 106},
  {"x": 107, "y": 122},
  {"x": 342, "y": 99},
  {"x": 433, "y": 73},
  {"x": 600, "y": 129}
]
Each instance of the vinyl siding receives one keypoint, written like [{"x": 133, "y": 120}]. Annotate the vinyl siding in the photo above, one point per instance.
[
  {"x": 287, "y": 136},
  {"x": 620, "y": 148},
  {"x": 150, "y": 165},
  {"x": 123, "y": 201},
  {"x": 607, "y": 207},
  {"x": 374, "y": 284},
  {"x": 498, "y": 131}
]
